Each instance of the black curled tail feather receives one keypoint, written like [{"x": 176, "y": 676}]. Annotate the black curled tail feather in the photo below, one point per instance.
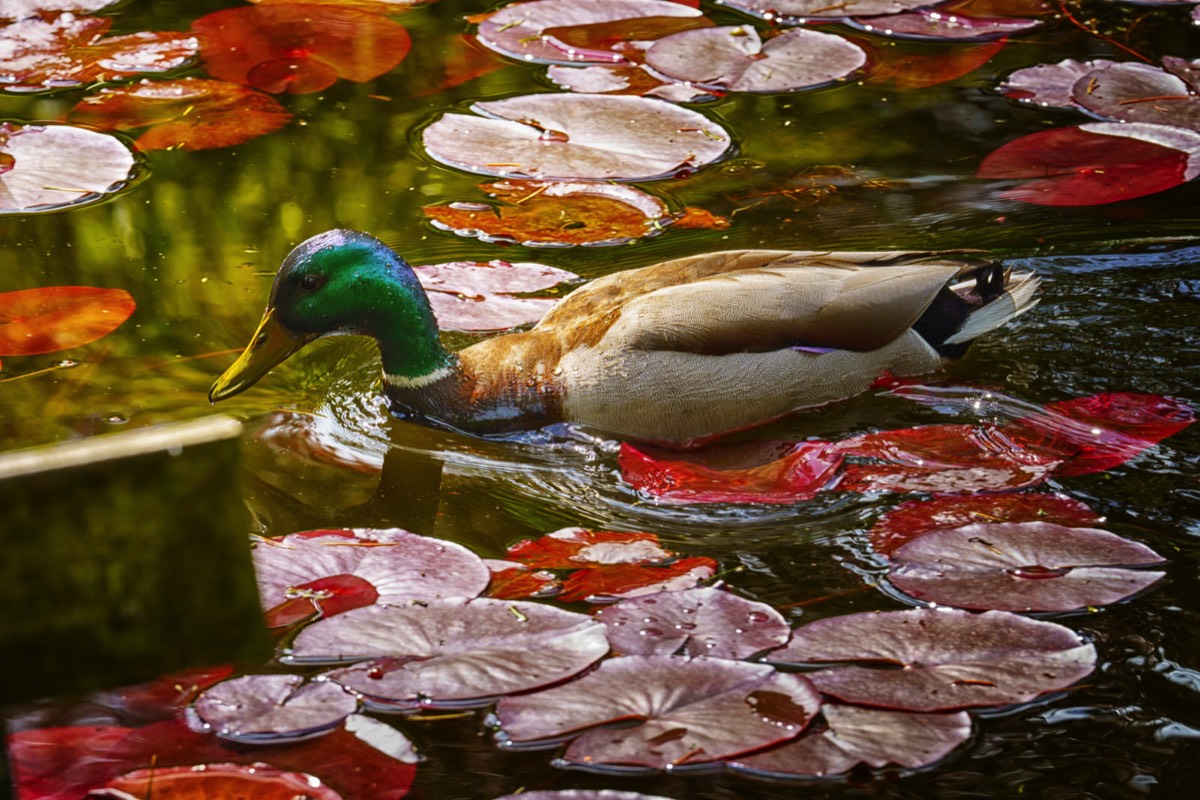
[{"x": 950, "y": 323}]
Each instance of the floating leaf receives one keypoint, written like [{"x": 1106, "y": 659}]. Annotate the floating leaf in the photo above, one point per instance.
[
  {"x": 192, "y": 113},
  {"x": 735, "y": 59},
  {"x": 862, "y": 736},
  {"x": 581, "y": 794},
  {"x": 216, "y": 780},
  {"x": 1022, "y": 566},
  {"x": 915, "y": 517},
  {"x": 705, "y": 622},
  {"x": 607, "y": 583},
  {"x": 65, "y": 50},
  {"x": 168, "y": 695},
  {"x": 456, "y": 652},
  {"x": 630, "y": 79},
  {"x": 372, "y": 6},
  {"x": 915, "y": 71},
  {"x": 572, "y": 548},
  {"x": 54, "y": 318},
  {"x": 364, "y": 759},
  {"x": 938, "y": 25},
  {"x": 689, "y": 711},
  {"x": 1102, "y": 162},
  {"x": 513, "y": 581},
  {"x": 1138, "y": 93},
  {"x": 48, "y": 167},
  {"x": 394, "y": 565},
  {"x": 262, "y": 709},
  {"x": 1051, "y": 85},
  {"x": 11, "y": 10},
  {"x": 519, "y": 30},
  {"x": 477, "y": 296},
  {"x": 576, "y": 137},
  {"x": 793, "y": 11},
  {"x": 557, "y": 213},
  {"x": 939, "y": 659},
  {"x": 299, "y": 47}
]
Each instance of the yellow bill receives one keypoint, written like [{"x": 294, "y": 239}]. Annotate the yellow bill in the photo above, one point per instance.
[{"x": 270, "y": 345}]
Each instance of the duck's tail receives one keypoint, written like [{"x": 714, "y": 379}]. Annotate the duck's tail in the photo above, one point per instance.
[{"x": 989, "y": 296}]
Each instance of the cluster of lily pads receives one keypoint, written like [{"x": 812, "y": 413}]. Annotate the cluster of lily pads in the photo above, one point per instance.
[{"x": 664, "y": 674}]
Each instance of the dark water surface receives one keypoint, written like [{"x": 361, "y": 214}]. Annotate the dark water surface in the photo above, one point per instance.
[{"x": 198, "y": 240}]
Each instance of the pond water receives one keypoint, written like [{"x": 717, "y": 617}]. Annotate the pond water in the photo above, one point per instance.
[{"x": 858, "y": 165}]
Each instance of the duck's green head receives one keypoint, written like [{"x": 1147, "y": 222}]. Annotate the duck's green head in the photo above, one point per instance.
[{"x": 342, "y": 282}]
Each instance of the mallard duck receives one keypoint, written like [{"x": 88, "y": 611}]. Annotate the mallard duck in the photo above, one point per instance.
[{"x": 677, "y": 353}]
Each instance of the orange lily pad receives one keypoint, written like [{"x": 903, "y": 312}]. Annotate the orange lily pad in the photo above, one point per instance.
[
  {"x": 54, "y": 52},
  {"x": 299, "y": 47},
  {"x": 561, "y": 213},
  {"x": 219, "y": 780},
  {"x": 192, "y": 113},
  {"x": 53, "y": 318}
]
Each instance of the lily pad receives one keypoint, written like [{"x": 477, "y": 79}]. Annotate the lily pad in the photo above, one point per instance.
[
  {"x": 478, "y": 296},
  {"x": 513, "y": 581},
  {"x": 450, "y": 653},
  {"x": 735, "y": 59},
  {"x": 794, "y": 11},
  {"x": 53, "y": 318},
  {"x": 604, "y": 584},
  {"x": 394, "y": 564},
  {"x": 299, "y": 47},
  {"x": 868, "y": 736},
  {"x": 1022, "y": 566},
  {"x": 581, "y": 794},
  {"x": 572, "y": 548},
  {"x": 215, "y": 780},
  {"x": 1102, "y": 162},
  {"x": 50, "y": 167},
  {"x": 628, "y": 79},
  {"x": 937, "y": 25},
  {"x": 262, "y": 709},
  {"x": 63, "y": 51},
  {"x": 576, "y": 137},
  {"x": 702, "y": 622},
  {"x": 519, "y": 30},
  {"x": 688, "y": 711},
  {"x": 190, "y": 113},
  {"x": 938, "y": 659},
  {"x": 907, "y": 70},
  {"x": 1051, "y": 85},
  {"x": 557, "y": 214},
  {"x": 916, "y": 517},
  {"x": 11, "y": 10}
]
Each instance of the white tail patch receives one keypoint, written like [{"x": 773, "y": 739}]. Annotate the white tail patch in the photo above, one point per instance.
[{"x": 1018, "y": 298}]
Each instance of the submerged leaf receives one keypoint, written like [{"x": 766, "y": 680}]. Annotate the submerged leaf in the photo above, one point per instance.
[
  {"x": 54, "y": 318},
  {"x": 576, "y": 137},
  {"x": 261, "y": 709},
  {"x": 299, "y": 47},
  {"x": 1022, "y": 566},
  {"x": 476, "y": 296},
  {"x": 906, "y": 70},
  {"x": 689, "y": 711},
  {"x": 868, "y": 736},
  {"x": 48, "y": 167},
  {"x": 191, "y": 113},
  {"x": 938, "y": 659}
]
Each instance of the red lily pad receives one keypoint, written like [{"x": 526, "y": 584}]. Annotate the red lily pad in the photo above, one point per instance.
[
  {"x": 262, "y": 709},
  {"x": 298, "y": 47},
  {"x": 572, "y": 548},
  {"x": 1022, "y": 566},
  {"x": 189, "y": 113},
  {"x": 364, "y": 759},
  {"x": 938, "y": 659},
  {"x": 387, "y": 565},
  {"x": 478, "y": 296},
  {"x": 939, "y": 25},
  {"x": 791, "y": 11},
  {"x": 916, "y": 517},
  {"x": 868, "y": 736},
  {"x": 605, "y": 584},
  {"x": 215, "y": 780},
  {"x": 65, "y": 50},
  {"x": 576, "y": 137},
  {"x": 49, "y": 167},
  {"x": 53, "y": 318},
  {"x": 735, "y": 59},
  {"x": 703, "y": 622},
  {"x": 1103, "y": 162},
  {"x": 520, "y": 30},
  {"x": 167, "y": 695},
  {"x": 450, "y": 653},
  {"x": 557, "y": 213},
  {"x": 628, "y": 79},
  {"x": 916, "y": 71},
  {"x": 513, "y": 581},
  {"x": 688, "y": 711}
]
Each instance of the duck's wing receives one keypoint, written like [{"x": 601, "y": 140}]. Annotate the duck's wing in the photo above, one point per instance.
[{"x": 847, "y": 301}]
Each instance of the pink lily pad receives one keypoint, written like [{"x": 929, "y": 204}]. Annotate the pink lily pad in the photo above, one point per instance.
[
  {"x": 938, "y": 659},
  {"x": 1138, "y": 93},
  {"x": 868, "y": 736},
  {"x": 1051, "y": 85},
  {"x": 478, "y": 296},
  {"x": 916, "y": 517},
  {"x": 12, "y": 10},
  {"x": 792, "y": 11},
  {"x": 450, "y": 653},
  {"x": 703, "y": 622},
  {"x": 1103, "y": 162},
  {"x": 625, "y": 79},
  {"x": 941, "y": 26},
  {"x": 576, "y": 137},
  {"x": 735, "y": 59},
  {"x": 394, "y": 565},
  {"x": 48, "y": 167},
  {"x": 261, "y": 709},
  {"x": 519, "y": 30},
  {"x": 1022, "y": 566},
  {"x": 688, "y": 711}
]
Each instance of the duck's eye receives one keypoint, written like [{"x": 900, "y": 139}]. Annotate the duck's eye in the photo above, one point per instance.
[{"x": 311, "y": 281}]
